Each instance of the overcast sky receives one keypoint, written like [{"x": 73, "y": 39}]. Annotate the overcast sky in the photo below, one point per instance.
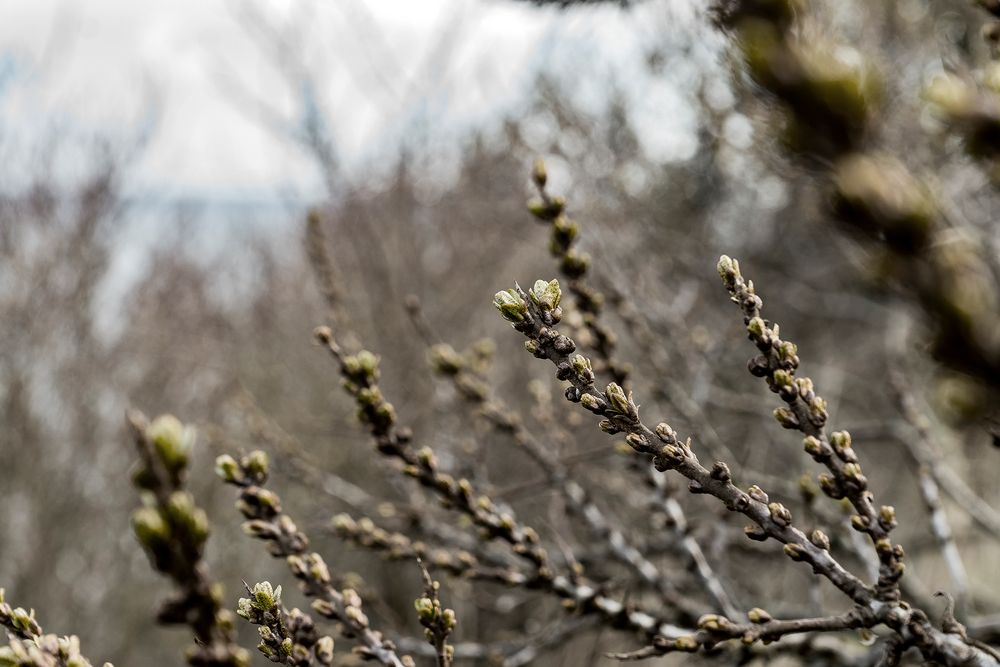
[{"x": 215, "y": 77}]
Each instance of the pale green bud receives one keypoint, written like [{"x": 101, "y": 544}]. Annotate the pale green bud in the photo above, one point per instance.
[
  {"x": 795, "y": 551},
  {"x": 445, "y": 360},
  {"x": 581, "y": 364},
  {"x": 840, "y": 440},
  {"x": 786, "y": 418},
  {"x": 257, "y": 464},
  {"x": 539, "y": 174},
  {"x": 425, "y": 609},
  {"x": 344, "y": 523},
  {"x": 819, "y": 539},
  {"x": 686, "y": 644},
  {"x": 244, "y": 608},
  {"x": 171, "y": 440},
  {"x": 590, "y": 402},
  {"x": 265, "y": 597},
  {"x": 323, "y": 648},
  {"x": 619, "y": 401},
  {"x": 150, "y": 528},
  {"x": 368, "y": 362},
  {"x": 729, "y": 269},
  {"x": 24, "y": 621},
  {"x": 511, "y": 306},
  {"x": 228, "y": 469},
  {"x": 546, "y": 294}
]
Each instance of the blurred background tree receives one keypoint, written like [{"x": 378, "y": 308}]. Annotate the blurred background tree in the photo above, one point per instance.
[{"x": 119, "y": 286}]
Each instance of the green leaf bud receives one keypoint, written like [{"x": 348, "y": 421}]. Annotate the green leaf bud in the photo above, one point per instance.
[
  {"x": 172, "y": 441},
  {"x": 840, "y": 440},
  {"x": 149, "y": 527},
  {"x": 425, "y": 609},
  {"x": 257, "y": 464},
  {"x": 819, "y": 539},
  {"x": 619, "y": 401},
  {"x": 686, "y": 644},
  {"x": 445, "y": 360},
  {"x": 795, "y": 552},
  {"x": 266, "y": 598},
  {"x": 539, "y": 174},
  {"x": 323, "y": 648},
  {"x": 228, "y": 469},
  {"x": 511, "y": 306},
  {"x": 546, "y": 295},
  {"x": 786, "y": 418}
]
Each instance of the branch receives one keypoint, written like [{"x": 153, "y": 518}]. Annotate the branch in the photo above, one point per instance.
[
  {"x": 536, "y": 314},
  {"x": 286, "y": 637},
  {"x": 266, "y": 521},
  {"x": 30, "y": 647},
  {"x": 360, "y": 373},
  {"x": 173, "y": 532},
  {"x": 806, "y": 412}
]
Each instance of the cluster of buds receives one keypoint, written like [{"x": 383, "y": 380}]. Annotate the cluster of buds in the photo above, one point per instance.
[
  {"x": 173, "y": 531},
  {"x": 879, "y": 196},
  {"x": 250, "y": 469},
  {"x": 169, "y": 519},
  {"x": 260, "y": 506},
  {"x": 286, "y": 637},
  {"x": 265, "y": 521},
  {"x": 549, "y": 209},
  {"x": 430, "y": 613},
  {"x": 44, "y": 651},
  {"x": 779, "y": 358},
  {"x": 511, "y": 305},
  {"x": 574, "y": 265},
  {"x": 445, "y": 360},
  {"x": 807, "y": 412},
  {"x": 467, "y": 370},
  {"x": 971, "y": 108},
  {"x": 438, "y": 622},
  {"x": 18, "y": 620},
  {"x": 828, "y": 91},
  {"x": 545, "y": 296},
  {"x": 360, "y": 374}
]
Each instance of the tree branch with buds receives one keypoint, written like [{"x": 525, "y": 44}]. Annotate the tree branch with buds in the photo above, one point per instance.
[
  {"x": 173, "y": 531},
  {"x": 266, "y": 521},
  {"x": 29, "y": 646},
  {"x": 534, "y": 314}
]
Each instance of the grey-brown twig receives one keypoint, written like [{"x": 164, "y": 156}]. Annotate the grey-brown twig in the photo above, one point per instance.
[{"x": 266, "y": 521}]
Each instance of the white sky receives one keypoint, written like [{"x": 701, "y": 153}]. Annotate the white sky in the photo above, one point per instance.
[{"x": 384, "y": 71}]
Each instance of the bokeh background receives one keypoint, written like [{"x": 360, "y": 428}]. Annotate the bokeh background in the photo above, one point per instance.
[{"x": 156, "y": 166}]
